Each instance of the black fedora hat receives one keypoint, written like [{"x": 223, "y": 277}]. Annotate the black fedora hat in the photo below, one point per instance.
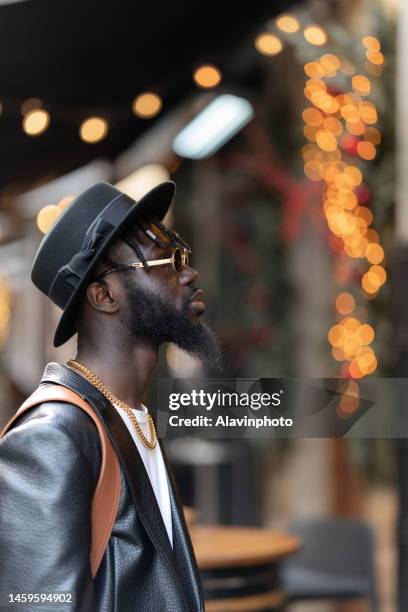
[{"x": 71, "y": 250}]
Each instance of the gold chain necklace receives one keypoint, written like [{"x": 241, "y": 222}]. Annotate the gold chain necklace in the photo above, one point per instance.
[{"x": 96, "y": 381}]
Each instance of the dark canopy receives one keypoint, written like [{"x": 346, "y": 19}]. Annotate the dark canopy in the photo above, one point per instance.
[{"x": 87, "y": 57}]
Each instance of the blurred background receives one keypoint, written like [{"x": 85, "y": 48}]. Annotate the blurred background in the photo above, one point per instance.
[{"x": 284, "y": 126}]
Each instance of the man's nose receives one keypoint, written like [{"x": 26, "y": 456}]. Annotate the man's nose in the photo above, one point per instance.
[{"x": 187, "y": 275}]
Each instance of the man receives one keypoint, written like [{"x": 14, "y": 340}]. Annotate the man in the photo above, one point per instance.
[{"x": 124, "y": 284}]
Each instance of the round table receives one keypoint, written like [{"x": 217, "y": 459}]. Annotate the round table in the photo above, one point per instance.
[{"x": 239, "y": 566}]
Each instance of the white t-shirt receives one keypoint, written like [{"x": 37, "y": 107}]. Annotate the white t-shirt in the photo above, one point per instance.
[{"x": 154, "y": 464}]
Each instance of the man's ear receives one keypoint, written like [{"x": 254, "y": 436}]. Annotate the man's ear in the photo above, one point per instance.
[{"x": 102, "y": 297}]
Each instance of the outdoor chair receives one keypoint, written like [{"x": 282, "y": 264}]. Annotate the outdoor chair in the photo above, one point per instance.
[{"x": 336, "y": 562}]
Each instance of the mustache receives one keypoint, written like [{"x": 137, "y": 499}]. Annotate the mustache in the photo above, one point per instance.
[{"x": 193, "y": 292}]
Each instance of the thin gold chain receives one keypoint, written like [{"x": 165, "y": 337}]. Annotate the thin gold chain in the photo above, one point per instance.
[{"x": 96, "y": 381}]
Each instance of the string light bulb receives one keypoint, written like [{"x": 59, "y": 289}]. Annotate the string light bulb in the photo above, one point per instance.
[
  {"x": 315, "y": 35},
  {"x": 375, "y": 57},
  {"x": 287, "y": 23},
  {"x": 93, "y": 130},
  {"x": 371, "y": 42},
  {"x": 147, "y": 105},
  {"x": 47, "y": 216},
  {"x": 366, "y": 150},
  {"x": 268, "y": 44},
  {"x": 36, "y": 122},
  {"x": 207, "y": 76},
  {"x": 361, "y": 85}
]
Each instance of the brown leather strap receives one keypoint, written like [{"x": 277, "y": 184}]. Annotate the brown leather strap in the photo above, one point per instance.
[{"x": 106, "y": 497}]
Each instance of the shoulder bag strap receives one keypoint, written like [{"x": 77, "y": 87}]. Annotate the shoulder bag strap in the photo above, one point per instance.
[{"x": 106, "y": 497}]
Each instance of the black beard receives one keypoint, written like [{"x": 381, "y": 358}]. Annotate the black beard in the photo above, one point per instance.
[{"x": 152, "y": 319}]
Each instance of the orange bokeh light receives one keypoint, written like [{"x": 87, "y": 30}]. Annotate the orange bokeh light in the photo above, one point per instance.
[
  {"x": 367, "y": 285},
  {"x": 312, "y": 116},
  {"x": 345, "y": 303},
  {"x": 361, "y": 84},
  {"x": 356, "y": 128},
  {"x": 365, "y": 334},
  {"x": 147, "y": 105},
  {"x": 312, "y": 171},
  {"x": 375, "y": 57},
  {"x": 368, "y": 112},
  {"x": 336, "y": 336},
  {"x": 315, "y": 35},
  {"x": 377, "y": 275},
  {"x": 355, "y": 371},
  {"x": 354, "y": 173},
  {"x": 371, "y": 134},
  {"x": 371, "y": 42},
  {"x": 333, "y": 125},
  {"x": 350, "y": 113},
  {"x": 366, "y": 150},
  {"x": 348, "y": 404},
  {"x": 287, "y": 23},
  {"x": 209, "y": 76},
  {"x": 310, "y": 132},
  {"x": 326, "y": 140},
  {"x": 330, "y": 63},
  {"x": 364, "y": 213},
  {"x": 374, "y": 253},
  {"x": 372, "y": 235},
  {"x": 314, "y": 70}
]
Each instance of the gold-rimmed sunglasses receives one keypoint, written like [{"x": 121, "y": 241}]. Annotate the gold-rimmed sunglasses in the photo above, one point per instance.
[{"x": 179, "y": 260}]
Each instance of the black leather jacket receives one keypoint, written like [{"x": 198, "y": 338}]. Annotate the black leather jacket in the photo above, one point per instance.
[{"x": 49, "y": 466}]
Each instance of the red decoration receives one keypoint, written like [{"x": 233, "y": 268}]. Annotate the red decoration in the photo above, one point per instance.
[
  {"x": 363, "y": 194},
  {"x": 336, "y": 244},
  {"x": 349, "y": 144},
  {"x": 300, "y": 197}
]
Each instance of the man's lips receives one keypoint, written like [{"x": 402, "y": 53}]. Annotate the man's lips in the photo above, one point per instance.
[{"x": 197, "y": 302}]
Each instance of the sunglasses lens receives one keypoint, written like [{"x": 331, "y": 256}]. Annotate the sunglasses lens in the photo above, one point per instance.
[{"x": 178, "y": 260}]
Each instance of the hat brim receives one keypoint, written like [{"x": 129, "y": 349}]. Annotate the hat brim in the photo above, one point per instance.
[{"x": 155, "y": 203}]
